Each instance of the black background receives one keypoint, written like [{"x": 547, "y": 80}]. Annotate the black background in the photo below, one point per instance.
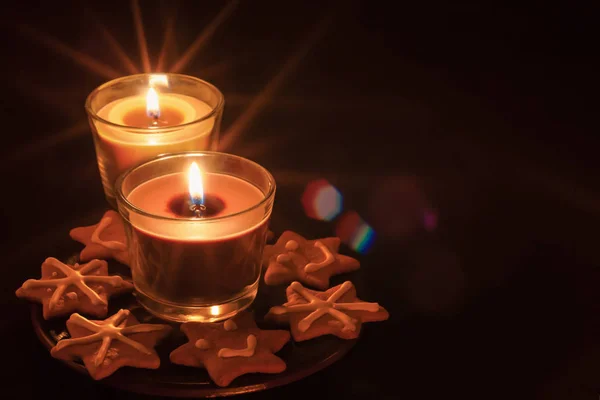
[{"x": 485, "y": 114}]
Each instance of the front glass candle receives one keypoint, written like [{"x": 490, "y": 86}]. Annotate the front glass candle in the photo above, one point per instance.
[
  {"x": 138, "y": 117},
  {"x": 196, "y": 225}
]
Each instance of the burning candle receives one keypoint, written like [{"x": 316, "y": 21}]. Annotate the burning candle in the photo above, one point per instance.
[
  {"x": 136, "y": 118},
  {"x": 197, "y": 225}
]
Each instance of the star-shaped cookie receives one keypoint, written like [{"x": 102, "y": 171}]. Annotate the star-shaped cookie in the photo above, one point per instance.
[
  {"x": 64, "y": 289},
  {"x": 106, "y": 239},
  {"x": 311, "y": 262},
  {"x": 105, "y": 346},
  {"x": 230, "y": 349},
  {"x": 336, "y": 311}
]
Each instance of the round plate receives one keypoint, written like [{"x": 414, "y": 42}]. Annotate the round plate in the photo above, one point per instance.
[{"x": 302, "y": 359}]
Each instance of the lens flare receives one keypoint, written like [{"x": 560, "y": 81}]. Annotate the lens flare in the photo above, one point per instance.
[
  {"x": 355, "y": 232},
  {"x": 321, "y": 200},
  {"x": 363, "y": 239}
]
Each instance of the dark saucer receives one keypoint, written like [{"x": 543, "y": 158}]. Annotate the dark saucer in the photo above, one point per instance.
[{"x": 302, "y": 359}]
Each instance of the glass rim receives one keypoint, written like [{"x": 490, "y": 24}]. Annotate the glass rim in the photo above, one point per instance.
[
  {"x": 94, "y": 115},
  {"x": 121, "y": 198}
]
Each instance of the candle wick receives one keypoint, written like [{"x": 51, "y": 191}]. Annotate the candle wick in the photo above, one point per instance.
[{"x": 198, "y": 209}]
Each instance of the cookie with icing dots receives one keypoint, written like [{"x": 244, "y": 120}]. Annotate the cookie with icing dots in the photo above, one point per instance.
[
  {"x": 232, "y": 348},
  {"x": 336, "y": 311},
  {"x": 64, "y": 289},
  {"x": 312, "y": 262},
  {"x": 104, "y": 240},
  {"x": 105, "y": 346}
]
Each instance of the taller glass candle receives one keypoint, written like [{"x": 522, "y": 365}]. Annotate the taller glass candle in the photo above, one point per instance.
[{"x": 135, "y": 118}]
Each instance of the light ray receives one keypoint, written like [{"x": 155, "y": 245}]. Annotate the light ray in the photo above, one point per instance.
[
  {"x": 80, "y": 58},
  {"x": 217, "y": 69},
  {"x": 46, "y": 96},
  {"x": 263, "y": 98},
  {"x": 47, "y": 142},
  {"x": 204, "y": 36},
  {"x": 119, "y": 52},
  {"x": 257, "y": 148},
  {"x": 169, "y": 40},
  {"x": 48, "y": 239},
  {"x": 141, "y": 35}
]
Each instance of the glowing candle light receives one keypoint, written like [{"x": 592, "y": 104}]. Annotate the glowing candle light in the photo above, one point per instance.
[
  {"x": 197, "y": 232},
  {"x": 138, "y": 117},
  {"x": 195, "y": 186},
  {"x": 152, "y": 106}
]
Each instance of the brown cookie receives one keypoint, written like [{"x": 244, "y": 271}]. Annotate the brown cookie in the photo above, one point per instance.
[
  {"x": 106, "y": 239},
  {"x": 336, "y": 311},
  {"x": 311, "y": 262},
  {"x": 64, "y": 289},
  {"x": 230, "y": 349},
  {"x": 105, "y": 346}
]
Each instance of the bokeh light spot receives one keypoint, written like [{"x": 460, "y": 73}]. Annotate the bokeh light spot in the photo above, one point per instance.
[
  {"x": 400, "y": 208},
  {"x": 430, "y": 220},
  {"x": 363, "y": 239},
  {"x": 355, "y": 232},
  {"x": 321, "y": 200}
]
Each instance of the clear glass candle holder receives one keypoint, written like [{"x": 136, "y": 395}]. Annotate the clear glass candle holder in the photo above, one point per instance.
[
  {"x": 196, "y": 267},
  {"x": 184, "y": 114}
]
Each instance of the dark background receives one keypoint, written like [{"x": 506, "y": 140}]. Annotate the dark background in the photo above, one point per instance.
[{"x": 484, "y": 115}]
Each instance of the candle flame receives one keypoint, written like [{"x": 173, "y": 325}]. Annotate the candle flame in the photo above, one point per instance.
[
  {"x": 195, "y": 185},
  {"x": 152, "y": 106}
]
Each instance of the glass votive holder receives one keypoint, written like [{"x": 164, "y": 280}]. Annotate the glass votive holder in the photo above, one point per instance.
[
  {"x": 196, "y": 256},
  {"x": 137, "y": 117}
]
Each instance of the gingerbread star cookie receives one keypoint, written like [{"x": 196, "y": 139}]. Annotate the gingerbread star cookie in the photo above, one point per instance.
[
  {"x": 64, "y": 289},
  {"x": 105, "y": 346},
  {"x": 230, "y": 349},
  {"x": 336, "y": 311},
  {"x": 106, "y": 239},
  {"x": 311, "y": 262}
]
